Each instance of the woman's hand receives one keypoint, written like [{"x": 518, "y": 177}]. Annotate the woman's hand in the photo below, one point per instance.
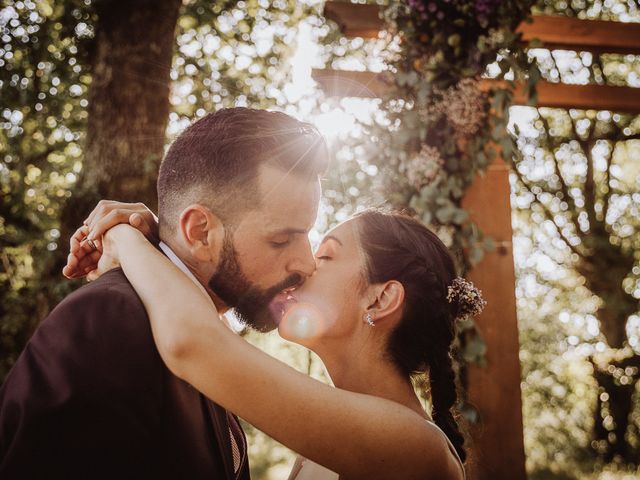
[
  {"x": 109, "y": 213},
  {"x": 113, "y": 242},
  {"x": 83, "y": 257}
]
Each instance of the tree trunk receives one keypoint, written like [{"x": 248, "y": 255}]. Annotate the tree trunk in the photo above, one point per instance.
[
  {"x": 129, "y": 98},
  {"x": 128, "y": 107}
]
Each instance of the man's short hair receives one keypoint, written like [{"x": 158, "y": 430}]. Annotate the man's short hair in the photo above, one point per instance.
[{"x": 216, "y": 160}]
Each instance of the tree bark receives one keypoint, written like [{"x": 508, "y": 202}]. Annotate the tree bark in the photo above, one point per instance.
[{"x": 128, "y": 105}]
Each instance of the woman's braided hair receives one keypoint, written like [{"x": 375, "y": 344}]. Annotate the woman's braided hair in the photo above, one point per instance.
[{"x": 398, "y": 247}]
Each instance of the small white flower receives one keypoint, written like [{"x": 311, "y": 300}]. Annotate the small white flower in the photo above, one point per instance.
[
  {"x": 445, "y": 233},
  {"x": 423, "y": 168},
  {"x": 464, "y": 106}
]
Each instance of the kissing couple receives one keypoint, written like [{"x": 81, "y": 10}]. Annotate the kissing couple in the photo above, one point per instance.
[{"x": 138, "y": 375}]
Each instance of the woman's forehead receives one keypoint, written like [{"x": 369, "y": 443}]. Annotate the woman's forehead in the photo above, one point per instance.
[{"x": 345, "y": 232}]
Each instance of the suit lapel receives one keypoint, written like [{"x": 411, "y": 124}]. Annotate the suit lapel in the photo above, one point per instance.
[{"x": 218, "y": 417}]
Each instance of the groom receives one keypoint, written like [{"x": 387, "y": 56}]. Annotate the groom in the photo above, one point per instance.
[{"x": 90, "y": 397}]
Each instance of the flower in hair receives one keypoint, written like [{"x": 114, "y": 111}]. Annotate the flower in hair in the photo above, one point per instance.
[{"x": 466, "y": 296}]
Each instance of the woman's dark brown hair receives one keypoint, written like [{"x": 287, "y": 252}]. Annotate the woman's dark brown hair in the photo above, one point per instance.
[{"x": 400, "y": 248}]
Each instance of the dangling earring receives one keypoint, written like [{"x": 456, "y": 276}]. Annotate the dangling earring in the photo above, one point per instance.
[{"x": 368, "y": 318}]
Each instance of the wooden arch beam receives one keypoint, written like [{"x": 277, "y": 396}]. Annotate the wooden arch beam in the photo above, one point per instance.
[
  {"x": 555, "y": 32},
  {"x": 344, "y": 83}
]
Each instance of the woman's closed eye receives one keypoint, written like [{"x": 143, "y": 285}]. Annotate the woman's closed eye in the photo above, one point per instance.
[{"x": 324, "y": 254}]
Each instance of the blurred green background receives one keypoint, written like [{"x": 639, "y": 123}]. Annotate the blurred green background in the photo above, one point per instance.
[{"x": 578, "y": 319}]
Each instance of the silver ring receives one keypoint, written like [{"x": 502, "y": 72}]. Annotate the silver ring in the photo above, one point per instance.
[{"x": 91, "y": 244}]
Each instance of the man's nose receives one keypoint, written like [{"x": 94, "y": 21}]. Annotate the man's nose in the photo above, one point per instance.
[{"x": 304, "y": 264}]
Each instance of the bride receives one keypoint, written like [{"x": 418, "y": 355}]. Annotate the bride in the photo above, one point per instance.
[{"x": 379, "y": 310}]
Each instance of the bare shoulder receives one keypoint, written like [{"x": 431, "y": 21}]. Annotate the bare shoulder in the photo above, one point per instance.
[{"x": 427, "y": 449}]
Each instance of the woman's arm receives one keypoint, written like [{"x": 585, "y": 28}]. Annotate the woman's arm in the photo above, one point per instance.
[{"x": 356, "y": 435}]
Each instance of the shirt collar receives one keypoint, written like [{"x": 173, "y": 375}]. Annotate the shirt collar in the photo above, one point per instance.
[{"x": 180, "y": 264}]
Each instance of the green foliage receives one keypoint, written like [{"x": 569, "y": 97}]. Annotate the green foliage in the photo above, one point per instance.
[
  {"x": 558, "y": 332},
  {"x": 572, "y": 167},
  {"x": 43, "y": 85},
  {"x": 577, "y": 172},
  {"x": 440, "y": 130},
  {"x": 439, "y": 127},
  {"x": 556, "y": 323},
  {"x": 233, "y": 54},
  {"x": 227, "y": 53}
]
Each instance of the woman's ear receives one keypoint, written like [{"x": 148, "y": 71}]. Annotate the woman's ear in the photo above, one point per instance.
[
  {"x": 202, "y": 231},
  {"x": 388, "y": 300}
]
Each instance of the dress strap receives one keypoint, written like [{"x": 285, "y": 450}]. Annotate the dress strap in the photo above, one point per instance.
[
  {"x": 297, "y": 466},
  {"x": 451, "y": 447}
]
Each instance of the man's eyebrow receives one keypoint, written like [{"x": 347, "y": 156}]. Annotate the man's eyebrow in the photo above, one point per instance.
[
  {"x": 331, "y": 237},
  {"x": 290, "y": 231}
]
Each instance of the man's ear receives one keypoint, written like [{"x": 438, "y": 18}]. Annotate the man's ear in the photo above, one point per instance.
[
  {"x": 387, "y": 300},
  {"x": 203, "y": 232}
]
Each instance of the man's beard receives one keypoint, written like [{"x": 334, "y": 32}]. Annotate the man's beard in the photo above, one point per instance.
[{"x": 250, "y": 303}]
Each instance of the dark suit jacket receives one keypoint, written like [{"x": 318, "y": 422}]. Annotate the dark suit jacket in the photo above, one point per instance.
[{"x": 91, "y": 398}]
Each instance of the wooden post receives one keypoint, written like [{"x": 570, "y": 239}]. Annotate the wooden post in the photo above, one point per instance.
[{"x": 494, "y": 390}]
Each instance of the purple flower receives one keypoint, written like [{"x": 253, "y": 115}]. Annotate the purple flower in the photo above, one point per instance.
[{"x": 484, "y": 8}]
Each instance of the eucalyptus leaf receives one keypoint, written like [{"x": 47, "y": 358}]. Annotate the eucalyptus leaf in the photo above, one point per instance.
[{"x": 476, "y": 255}]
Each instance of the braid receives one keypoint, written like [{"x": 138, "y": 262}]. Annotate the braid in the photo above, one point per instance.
[
  {"x": 401, "y": 248},
  {"x": 442, "y": 376},
  {"x": 444, "y": 396}
]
